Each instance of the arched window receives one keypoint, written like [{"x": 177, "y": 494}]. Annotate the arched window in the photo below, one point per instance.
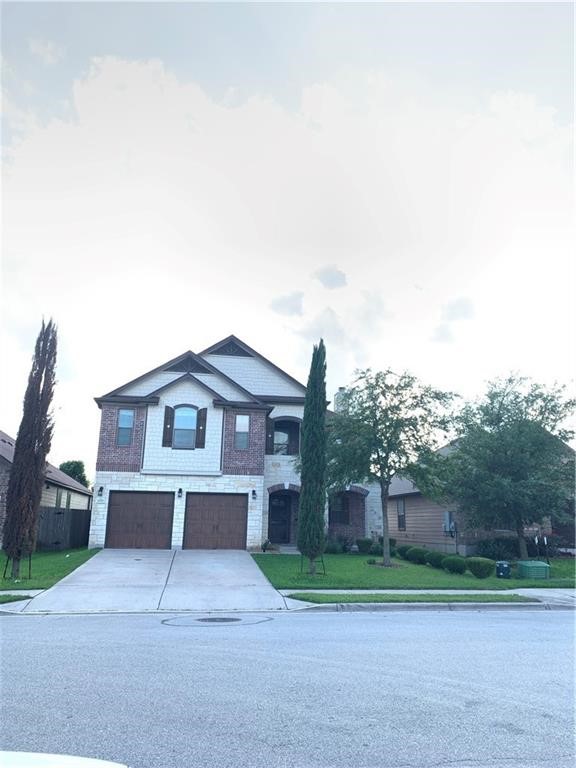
[
  {"x": 283, "y": 437},
  {"x": 184, "y": 435}
]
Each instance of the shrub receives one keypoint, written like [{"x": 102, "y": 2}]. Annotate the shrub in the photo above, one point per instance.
[
  {"x": 345, "y": 543},
  {"x": 371, "y": 561},
  {"x": 364, "y": 545},
  {"x": 507, "y": 547},
  {"x": 481, "y": 567},
  {"x": 454, "y": 564},
  {"x": 333, "y": 547},
  {"x": 501, "y": 548},
  {"x": 402, "y": 549},
  {"x": 417, "y": 555},
  {"x": 435, "y": 558},
  {"x": 375, "y": 549},
  {"x": 391, "y": 540}
]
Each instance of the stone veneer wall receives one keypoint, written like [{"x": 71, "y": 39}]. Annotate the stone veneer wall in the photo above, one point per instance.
[
  {"x": 247, "y": 461},
  {"x": 257, "y": 528},
  {"x": 120, "y": 458}
]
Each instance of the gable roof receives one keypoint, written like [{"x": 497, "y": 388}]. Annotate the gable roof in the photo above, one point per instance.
[
  {"x": 52, "y": 474},
  {"x": 235, "y": 346},
  {"x": 189, "y": 363}
]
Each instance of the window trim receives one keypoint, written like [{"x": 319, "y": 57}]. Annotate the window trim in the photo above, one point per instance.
[
  {"x": 243, "y": 432},
  {"x": 118, "y": 427},
  {"x": 401, "y": 514},
  {"x": 344, "y": 511},
  {"x": 292, "y": 438},
  {"x": 184, "y": 447}
]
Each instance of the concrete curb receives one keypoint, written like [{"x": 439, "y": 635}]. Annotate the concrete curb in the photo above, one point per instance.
[
  {"x": 371, "y": 607},
  {"x": 309, "y": 607}
]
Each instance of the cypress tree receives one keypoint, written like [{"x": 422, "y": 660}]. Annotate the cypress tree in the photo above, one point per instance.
[
  {"x": 311, "y": 524},
  {"x": 30, "y": 452}
]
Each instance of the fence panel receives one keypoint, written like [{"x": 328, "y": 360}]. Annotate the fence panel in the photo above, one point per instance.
[{"x": 63, "y": 528}]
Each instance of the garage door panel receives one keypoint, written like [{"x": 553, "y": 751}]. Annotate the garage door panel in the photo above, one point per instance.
[
  {"x": 215, "y": 521},
  {"x": 139, "y": 520}
]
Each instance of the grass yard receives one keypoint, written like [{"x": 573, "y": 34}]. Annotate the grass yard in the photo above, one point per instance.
[
  {"x": 47, "y": 568},
  {"x": 320, "y": 597},
  {"x": 13, "y": 598},
  {"x": 352, "y": 572}
]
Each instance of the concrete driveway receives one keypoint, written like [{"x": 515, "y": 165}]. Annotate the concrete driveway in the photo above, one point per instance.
[{"x": 155, "y": 579}]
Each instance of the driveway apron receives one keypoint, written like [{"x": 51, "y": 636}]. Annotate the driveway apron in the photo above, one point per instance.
[{"x": 149, "y": 580}]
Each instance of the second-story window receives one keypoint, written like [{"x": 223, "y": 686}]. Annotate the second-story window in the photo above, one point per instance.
[
  {"x": 241, "y": 431},
  {"x": 125, "y": 426},
  {"x": 286, "y": 438},
  {"x": 184, "y": 435}
]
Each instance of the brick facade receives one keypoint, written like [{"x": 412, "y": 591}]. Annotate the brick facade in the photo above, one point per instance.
[
  {"x": 356, "y": 529},
  {"x": 4, "y": 479},
  {"x": 120, "y": 458},
  {"x": 247, "y": 461}
]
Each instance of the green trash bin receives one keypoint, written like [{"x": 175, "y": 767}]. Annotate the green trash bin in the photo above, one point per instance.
[{"x": 533, "y": 569}]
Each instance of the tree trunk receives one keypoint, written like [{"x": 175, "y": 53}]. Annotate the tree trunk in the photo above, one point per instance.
[
  {"x": 522, "y": 544},
  {"x": 15, "y": 567},
  {"x": 386, "y": 560},
  {"x": 312, "y": 567}
]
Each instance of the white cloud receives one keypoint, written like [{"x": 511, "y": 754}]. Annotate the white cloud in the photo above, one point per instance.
[
  {"x": 459, "y": 309},
  {"x": 157, "y": 220},
  {"x": 331, "y": 277},
  {"x": 46, "y": 51},
  {"x": 289, "y": 305}
]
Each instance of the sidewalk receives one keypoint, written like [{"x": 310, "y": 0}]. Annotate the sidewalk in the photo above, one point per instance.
[{"x": 550, "y": 599}]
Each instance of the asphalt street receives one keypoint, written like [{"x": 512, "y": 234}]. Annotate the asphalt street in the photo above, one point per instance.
[{"x": 306, "y": 690}]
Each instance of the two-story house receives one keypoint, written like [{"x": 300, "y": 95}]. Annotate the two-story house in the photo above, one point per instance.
[{"x": 199, "y": 453}]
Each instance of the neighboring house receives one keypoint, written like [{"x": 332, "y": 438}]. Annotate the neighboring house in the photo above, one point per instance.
[
  {"x": 416, "y": 519},
  {"x": 199, "y": 453},
  {"x": 64, "y": 507}
]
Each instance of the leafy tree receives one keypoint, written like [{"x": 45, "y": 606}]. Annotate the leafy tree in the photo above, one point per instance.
[
  {"x": 311, "y": 537},
  {"x": 509, "y": 466},
  {"x": 385, "y": 421},
  {"x": 75, "y": 469},
  {"x": 30, "y": 452}
]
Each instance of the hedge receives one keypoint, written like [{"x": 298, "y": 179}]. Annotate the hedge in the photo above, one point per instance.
[
  {"x": 417, "y": 555},
  {"x": 481, "y": 567},
  {"x": 435, "y": 559},
  {"x": 454, "y": 564}
]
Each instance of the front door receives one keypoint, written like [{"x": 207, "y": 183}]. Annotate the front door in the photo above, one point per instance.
[{"x": 279, "y": 515}]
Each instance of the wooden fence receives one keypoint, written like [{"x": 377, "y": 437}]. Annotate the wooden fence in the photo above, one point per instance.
[{"x": 63, "y": 528}]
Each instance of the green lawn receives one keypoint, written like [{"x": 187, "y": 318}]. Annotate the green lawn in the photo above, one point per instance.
[
  {"x": 352, "y": 572},
  {"x": 47, "y": 568},
  {"x": 320, "y": 597},
  {"x": 13, "y": 598}
]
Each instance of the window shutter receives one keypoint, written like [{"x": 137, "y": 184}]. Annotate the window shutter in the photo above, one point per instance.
[
  {"x": 201, "y": 428},
  {"x": 168, "y": 426},
  {"x": 269, "y": 436}
]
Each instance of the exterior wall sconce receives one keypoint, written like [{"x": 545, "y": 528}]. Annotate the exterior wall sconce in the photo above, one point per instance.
[
  {"x": 100, "y": 490},
  {"x": 253, "y": 494},
  {"x": 179, "y": 493},
  {"x": 47, "y": 485}
]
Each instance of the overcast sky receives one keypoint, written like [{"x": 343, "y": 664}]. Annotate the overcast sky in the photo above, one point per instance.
[{"x": 396, "y": 178}]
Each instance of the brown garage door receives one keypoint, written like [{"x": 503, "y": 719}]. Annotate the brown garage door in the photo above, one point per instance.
[
  {"x": 215, "y": 521},
  {"x": 139, "y": 520}
]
